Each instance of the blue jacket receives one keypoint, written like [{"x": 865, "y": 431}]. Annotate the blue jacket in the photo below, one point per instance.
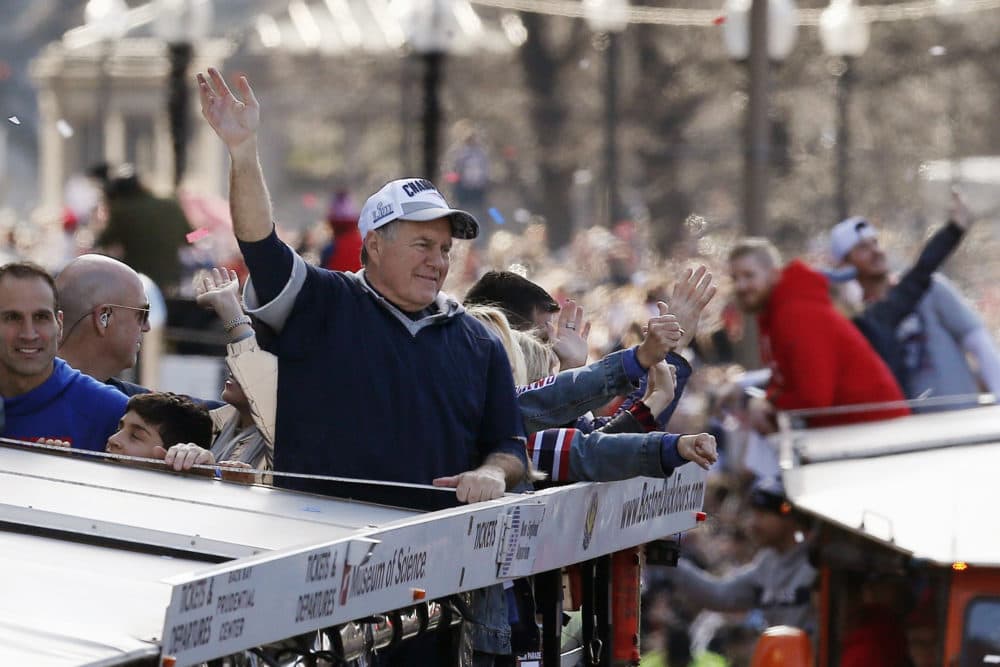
[{"x": 68, "y": 406}]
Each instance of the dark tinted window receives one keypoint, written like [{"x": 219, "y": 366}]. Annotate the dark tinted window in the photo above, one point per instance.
[{"x": 981, "y": 643}]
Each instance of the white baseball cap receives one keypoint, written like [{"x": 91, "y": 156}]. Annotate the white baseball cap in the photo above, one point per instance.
[
  {"x": 848, "y": 233},
  {"x": 413, "y": 199}
]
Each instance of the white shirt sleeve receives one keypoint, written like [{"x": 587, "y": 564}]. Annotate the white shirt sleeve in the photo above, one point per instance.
[
  {"x": 257, "y": 372},
  {"x": 275, "y": 313}
]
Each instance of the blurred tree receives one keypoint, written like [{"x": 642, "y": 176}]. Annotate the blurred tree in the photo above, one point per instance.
[{"x": 545, "y": 56}]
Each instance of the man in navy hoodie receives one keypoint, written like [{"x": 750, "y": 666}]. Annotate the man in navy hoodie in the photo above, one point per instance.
[
  {"x": 380, "y": 375},
  {"x": 44, "y": 398}
]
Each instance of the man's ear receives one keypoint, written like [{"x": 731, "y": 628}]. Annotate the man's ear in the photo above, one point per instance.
[
  {"x": 59, "y": 323},
  {"x": 102, "y": 319},
  {"x": 373, "y": 244}
]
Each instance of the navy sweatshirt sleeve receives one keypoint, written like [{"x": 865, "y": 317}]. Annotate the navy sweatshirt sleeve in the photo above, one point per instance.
[
  {"x": 904, "y": 296},
  {"x": 270, "y": 263}
]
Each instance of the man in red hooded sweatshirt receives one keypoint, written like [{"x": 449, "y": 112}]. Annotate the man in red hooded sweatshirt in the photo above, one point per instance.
[{"x": 818, "y": 358}]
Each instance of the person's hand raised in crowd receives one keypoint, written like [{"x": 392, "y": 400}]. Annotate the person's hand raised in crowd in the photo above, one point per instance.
[
  {"x": 569, "y": 336},
  {"x": 185, "y": 455},
  {"x": 958, "y": 213},
  {"x": 473, "y": 486},
  {"x": 660, "y": 387},
  {"x": 663, "y": 334},
  {"x": 699, "y": 448},
  {"x": 219, "y": 290},
  {"x": 690, "y": 296},
  {"x": 234, "y": 120}
]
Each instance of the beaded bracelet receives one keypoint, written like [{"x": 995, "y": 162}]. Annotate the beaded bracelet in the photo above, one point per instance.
[{"x": 235, "y": 322}]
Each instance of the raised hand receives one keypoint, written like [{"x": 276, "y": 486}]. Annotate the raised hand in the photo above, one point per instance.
[
  {"x": 234, "y": 120},
  {"x": 663, "y": 334},
  {"x": 958, "y": 213},
  {"x": 690, "y": 296},
  {"x": 569, "y": 336},
  {"x": 699, "y": 448},
  {"x": 219, "y": 290}
]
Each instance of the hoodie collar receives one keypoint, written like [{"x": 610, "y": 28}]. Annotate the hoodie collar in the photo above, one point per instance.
[
  {"x": 443, "y": 309},
  {"x": 43, "y": 394}
]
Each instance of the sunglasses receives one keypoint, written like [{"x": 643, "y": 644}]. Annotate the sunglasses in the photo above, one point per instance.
[{"x": 142, "y": 313}]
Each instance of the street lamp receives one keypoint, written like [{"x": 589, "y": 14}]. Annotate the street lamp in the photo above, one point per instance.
[
  {"x": 953, "y": 15},
  {"x": 107, "y": 21},
  {"x": 609, "y": 17},
  {"x": 755, "y": 31},
  {"x": 180, "y": 23},
  {"x": 427, "y": 24},
  {"x": 845, "y": 35}
]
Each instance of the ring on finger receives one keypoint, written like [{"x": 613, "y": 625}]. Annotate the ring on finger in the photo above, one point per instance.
[{"x": 571, "y": 326}]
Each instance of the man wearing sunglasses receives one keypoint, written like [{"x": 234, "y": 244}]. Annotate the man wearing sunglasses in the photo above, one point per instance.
[{"x": 105, "y": 315}]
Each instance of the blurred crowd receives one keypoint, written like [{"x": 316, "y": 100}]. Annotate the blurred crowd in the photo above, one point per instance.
[{"x": 801, "y": 336}]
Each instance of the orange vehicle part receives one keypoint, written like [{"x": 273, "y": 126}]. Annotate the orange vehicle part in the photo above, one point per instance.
[
  {"x": 966, "y": 586},
  {"x": 782, "y": 646},
  {"x": 625, "y": 607}
]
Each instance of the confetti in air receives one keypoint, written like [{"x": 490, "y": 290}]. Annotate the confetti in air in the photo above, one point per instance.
[
  {"x": 14, "y": 119},
  {"x": 718, "y": 20},
  {"x": 497, "y": 216},
  {"x": 197, "y": 235},
  {"x": 64, "y": 128},
  {"x": 695, "y": 224}
]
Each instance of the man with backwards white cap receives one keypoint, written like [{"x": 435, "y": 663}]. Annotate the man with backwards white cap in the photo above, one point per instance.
[
  {"x": 931, "y": 342},
  {"x": 380, "y": 375}
]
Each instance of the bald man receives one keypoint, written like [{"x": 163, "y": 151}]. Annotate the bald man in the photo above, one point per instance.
[{"x": 105, "y": 314}]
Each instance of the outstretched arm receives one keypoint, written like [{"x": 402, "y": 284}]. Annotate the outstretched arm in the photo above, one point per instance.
[
  {"x": 236, "y": 122},
  {"x": 255, "y": 370},
  {"x": 903, "y": 297}
]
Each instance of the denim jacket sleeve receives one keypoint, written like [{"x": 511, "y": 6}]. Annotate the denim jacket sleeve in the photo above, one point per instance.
[
  {"x": 568, "y": 455},
  {"x": 684, "y": 371},
  {"x": 557, "y": 400}
]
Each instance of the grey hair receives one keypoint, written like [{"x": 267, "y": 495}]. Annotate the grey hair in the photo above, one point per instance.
[{"x": 386, "y": 231}]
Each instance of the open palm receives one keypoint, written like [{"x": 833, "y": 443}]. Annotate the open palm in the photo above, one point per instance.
[
  {"x": 219, "y": 290},
  {"x": 233, "y": 119},
  {"x": 690, "y": 296}
]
